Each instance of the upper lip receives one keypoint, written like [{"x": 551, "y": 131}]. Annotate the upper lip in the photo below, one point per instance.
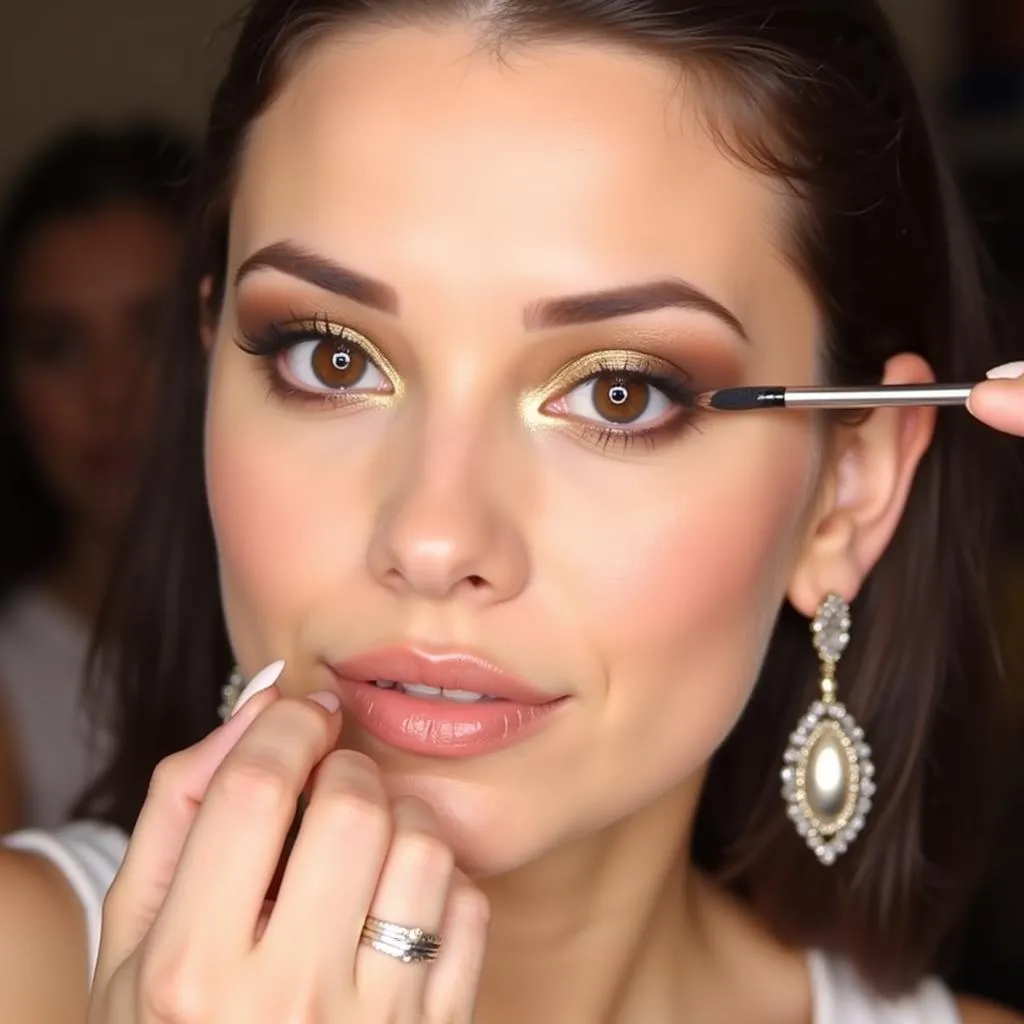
[{"x": 445, "y": 669}]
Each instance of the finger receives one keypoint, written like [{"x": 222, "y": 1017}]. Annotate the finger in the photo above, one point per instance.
[
  {"x": 228, "y": 861},
  {"x": 175, "y": 792},
  {"x": 333, "y": 867},
  {"x": 999, "y": 404},
  {"x": 453, "y": 982},
  {"x": 412, "y": 892}
]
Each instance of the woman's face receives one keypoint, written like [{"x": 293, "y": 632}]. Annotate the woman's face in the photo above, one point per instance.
[
  {"x": 535, "y": 256},
  {"x": 88, "y": 299}
]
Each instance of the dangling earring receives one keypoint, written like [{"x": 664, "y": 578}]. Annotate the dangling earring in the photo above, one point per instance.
[
  {"x": 230, "y": 693},
  {"x": 828, "y": 777}
]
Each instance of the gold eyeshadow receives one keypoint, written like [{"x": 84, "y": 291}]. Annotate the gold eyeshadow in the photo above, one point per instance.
[
  {"x": 277, "y": 338},
  {"x": 274, "y": 340},
  {"x": 575, "y": 372}
]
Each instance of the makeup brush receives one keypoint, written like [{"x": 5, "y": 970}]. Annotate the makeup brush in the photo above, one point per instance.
[{"x": 871, "y": 397}]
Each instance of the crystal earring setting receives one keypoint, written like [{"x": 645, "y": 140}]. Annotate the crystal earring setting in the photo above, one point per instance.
[
  {"x": 230, "y": 693},
  {"x": 827, "y": 776}
]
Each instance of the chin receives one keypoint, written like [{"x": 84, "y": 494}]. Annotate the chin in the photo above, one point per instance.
[{"x": 491, "y": 833}]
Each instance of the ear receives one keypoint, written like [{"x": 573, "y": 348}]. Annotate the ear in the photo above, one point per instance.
[
  {"x": 869, "y": 470},
  {"x": 207, "y": 321}
]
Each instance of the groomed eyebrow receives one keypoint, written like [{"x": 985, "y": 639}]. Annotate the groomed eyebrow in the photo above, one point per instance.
[
  {"x": 565, "y": 311},
  {"x": 321, "y": 272},
  {"x": 629, "y": 300}
]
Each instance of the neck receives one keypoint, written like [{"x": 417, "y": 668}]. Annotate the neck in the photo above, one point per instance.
[
  {"x": 600, "y": 929},
  {"x": 621, "y": 927},
  {"x": 77, "y": 579}
]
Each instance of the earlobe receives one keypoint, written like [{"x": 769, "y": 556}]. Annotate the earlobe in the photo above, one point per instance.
[{"x": 864, "y": 493}]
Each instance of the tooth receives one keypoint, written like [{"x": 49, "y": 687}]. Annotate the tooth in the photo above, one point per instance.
[
  {"x": 419, "y": 690},
  {"x": 463, "y": 696},
  {"x": 385, "y": 684}
]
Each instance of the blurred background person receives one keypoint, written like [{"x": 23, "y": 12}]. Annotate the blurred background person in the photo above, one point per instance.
[{"x": 90, "y": 242}]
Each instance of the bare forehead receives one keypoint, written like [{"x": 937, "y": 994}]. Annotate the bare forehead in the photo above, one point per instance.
[
  {"x": 561, "y": 168},
  {"x": 443, "y": 103}
]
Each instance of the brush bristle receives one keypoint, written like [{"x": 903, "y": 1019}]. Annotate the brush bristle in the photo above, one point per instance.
[{"x": 739, "y": 399}]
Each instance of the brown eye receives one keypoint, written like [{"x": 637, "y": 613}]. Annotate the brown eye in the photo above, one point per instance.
[
  {"x": 619, "y": 399},
  {"x": 337, "y": 364},
  {"x": 631, "y": 402},
  {"x": 333, "y": 363}
]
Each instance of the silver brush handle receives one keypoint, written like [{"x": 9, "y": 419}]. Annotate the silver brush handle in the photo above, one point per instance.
[{"x": 877, "y": 397}]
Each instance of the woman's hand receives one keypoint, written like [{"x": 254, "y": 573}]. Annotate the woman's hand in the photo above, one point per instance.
[
  {"x": 188, "y": 936},
  {"x": 999, "y": 401}
]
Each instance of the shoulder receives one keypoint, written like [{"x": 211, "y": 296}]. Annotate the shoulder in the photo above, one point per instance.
[
  {"x": 977, "y": 1011},
  {"x": 43, "y": 943}
]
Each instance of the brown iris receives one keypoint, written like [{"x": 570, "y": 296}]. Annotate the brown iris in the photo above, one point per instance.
[
  {"x": 337, "y": 364},
  {"x": 620, "y": 399}
]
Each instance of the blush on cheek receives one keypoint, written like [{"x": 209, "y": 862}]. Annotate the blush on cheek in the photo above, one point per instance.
[
  {"x": 701, "y": 556},
  {"x": 238, "y": 507},
  {"x": 257, "y": 508},
  {"x": 683, "y": 598},
  {"x": 290, "y": 525}
]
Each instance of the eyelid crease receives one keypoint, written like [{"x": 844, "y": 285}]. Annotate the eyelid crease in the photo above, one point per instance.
[
  {"x": 609, "y": 361},
  {"x": 278, "y": 338},
  {"x": 675, "y": 383}
]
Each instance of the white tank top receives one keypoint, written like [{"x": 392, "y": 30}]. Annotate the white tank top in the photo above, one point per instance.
[
  {"x": 43, "y": 653},
  {"x": 90, "y": 854}
]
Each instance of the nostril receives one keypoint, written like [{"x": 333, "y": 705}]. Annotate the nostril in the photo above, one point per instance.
[{"x": 476, "y": 582}]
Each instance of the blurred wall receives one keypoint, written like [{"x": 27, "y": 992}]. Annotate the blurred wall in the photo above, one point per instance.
[
  {"x": 926, "y": 27},
  {"x": 62, "y": 60}
]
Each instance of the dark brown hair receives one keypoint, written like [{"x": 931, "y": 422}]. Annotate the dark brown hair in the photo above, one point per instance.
[{"x": 815, "y": 93}]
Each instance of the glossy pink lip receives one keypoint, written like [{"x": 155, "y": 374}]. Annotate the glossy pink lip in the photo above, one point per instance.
[
  {"x": 436, "y": 727},
  {"x": 449, "y": 670}
]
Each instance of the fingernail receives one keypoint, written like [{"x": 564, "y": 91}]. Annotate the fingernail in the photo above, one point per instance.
[
  {"x": 263, "y": 680},
  {"x": 1008, "y": 371},
  {"x": 327, "y": 700}
]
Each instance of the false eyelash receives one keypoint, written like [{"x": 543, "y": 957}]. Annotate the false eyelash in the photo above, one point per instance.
[
  {"x": 676, "y": 386},
  {"x": 278, "y": 337}
]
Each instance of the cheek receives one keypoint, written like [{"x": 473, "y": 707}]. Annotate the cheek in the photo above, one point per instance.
[
  {"x": 287, "y": 520},
  {"x": 257, "y": 517},
  {"x": 52, "y": 411},
  {"x": 681, "y": 597}
]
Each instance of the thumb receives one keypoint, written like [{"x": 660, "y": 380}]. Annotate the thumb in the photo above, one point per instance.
[{"x": 999, "y": 401}]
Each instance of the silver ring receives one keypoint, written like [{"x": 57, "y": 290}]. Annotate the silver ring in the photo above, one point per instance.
[{"x": 410, "y": 945}]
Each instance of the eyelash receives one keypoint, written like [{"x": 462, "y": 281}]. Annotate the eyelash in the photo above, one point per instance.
[
  {"x": 278, "y": 339},
  {"x": 630, "y": 368}
]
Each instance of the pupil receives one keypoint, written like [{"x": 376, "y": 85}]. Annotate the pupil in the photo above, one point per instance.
[
  {"x": 341, "y": 361},
  {"x": 621, "y": 399}
]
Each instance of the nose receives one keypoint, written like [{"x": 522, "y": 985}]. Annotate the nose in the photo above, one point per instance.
[
  {"x": 446, "y": 528},
  {"x": 117, "y": 377}
]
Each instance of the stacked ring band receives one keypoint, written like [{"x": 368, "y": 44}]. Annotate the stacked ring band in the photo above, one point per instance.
[{"x": 410, "y": 945}]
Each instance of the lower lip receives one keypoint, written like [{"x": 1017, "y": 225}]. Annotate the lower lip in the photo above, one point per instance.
[{"x": 442, "y": 728}]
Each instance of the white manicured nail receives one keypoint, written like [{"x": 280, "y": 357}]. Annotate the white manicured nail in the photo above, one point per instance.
[
  {"x": 1008, "y": 371},
  {"x": 263, "y": 680}
]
